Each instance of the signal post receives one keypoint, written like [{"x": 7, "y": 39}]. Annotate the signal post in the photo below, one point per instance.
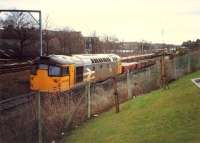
[{"x": 89, "y": 78}]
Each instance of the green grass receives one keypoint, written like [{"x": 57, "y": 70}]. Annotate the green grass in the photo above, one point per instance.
[{"x": 162, "y": 116}]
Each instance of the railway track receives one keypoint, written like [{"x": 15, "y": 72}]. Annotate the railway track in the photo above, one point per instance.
[
  {"x": 77, "y": 90},
  {"x": 16, "y": 101},
  {"x": 15, "y": 67},
  {"x": 23, "y": 99}
]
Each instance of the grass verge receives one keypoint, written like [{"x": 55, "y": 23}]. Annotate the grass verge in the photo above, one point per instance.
[{"x": 162, "y": 116}]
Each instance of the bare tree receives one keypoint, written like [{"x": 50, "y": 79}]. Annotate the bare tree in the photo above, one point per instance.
[
  {"x": 19, "y": 26},
  {"x": 71, "y": 42},
  {"x": 109, "y": 44},
  {"x": 62, "y": 36},
  {"x": 47, "y": 35}
]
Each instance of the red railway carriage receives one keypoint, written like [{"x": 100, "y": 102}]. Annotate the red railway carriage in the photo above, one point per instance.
[
  {"x": 137, "y": 65},
  {"x": 129, "y": 66}
]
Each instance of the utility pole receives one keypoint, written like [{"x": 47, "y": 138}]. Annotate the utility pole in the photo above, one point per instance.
[
  {"x": 39, "y": 22},
  {"x": 39, "y": 104}
]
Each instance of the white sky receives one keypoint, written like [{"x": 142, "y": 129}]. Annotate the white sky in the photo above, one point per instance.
[{"x": 129, "y": 20}]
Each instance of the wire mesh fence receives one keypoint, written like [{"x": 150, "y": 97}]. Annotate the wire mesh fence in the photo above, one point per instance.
[{"x": 63, "y": 111}]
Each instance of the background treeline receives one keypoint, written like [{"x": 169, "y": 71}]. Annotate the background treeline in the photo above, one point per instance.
[
  {"x": 19, "y": 38},
  {"x": 192, "y": 44}
]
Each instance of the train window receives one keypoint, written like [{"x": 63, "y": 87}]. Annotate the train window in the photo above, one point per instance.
[
  {"x": 43, "y": 66},
  {"x": 65, "y": 71},
  {"x": 54, "y": 71}
]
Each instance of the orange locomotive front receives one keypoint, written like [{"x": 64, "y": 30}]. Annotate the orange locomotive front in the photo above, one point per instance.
[{"x": 51, "y": 76}]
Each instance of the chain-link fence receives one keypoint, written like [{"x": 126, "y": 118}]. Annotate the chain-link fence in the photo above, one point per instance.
[{"x": 60, "y": 113}]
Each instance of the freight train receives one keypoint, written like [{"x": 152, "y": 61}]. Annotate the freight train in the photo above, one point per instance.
[{"x": 58, "y": 73}]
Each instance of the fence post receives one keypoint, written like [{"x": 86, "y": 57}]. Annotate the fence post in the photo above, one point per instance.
[
  {"x": 88, "y": 99},
  {"x": 163, "y": 75},
  {"x": 68, "y": 100},
  {"x": 116, "y": 94},
  {"x": 161, "y": 71},
  {"x": 189, "y": 63},
  {"x": 149, "y": 74},
  {"x": 174, "y": 66},
  {"x": 39, "y": 119},
  {"x": 128, "y": 85}
]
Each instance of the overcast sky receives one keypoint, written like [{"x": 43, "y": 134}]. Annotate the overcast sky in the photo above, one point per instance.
[{"x": 129, "y": 20}]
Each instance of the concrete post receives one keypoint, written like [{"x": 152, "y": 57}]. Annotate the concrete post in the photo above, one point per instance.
[
  {"x": 129, "y": 85},
  {"x": 88, "y": 99},
  {"x": 39, "y": 120},
  {"x": 116, "y": 94},
  {"x": 189, "y": 63}
]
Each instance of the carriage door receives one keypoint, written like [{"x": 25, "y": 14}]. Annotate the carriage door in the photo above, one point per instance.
[
  {"x": 79, "y": 74},
  {"x": 71, "y": 75}
]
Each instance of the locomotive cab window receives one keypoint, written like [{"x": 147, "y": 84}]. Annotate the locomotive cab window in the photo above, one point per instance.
[
  {"x": 65, "y": 71},
  {"x": 54, "y": 71},
  {"x": 43, "y": 66}
]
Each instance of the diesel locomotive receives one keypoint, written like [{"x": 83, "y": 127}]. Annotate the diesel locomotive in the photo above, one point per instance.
[{"x": 58, "y": 73}]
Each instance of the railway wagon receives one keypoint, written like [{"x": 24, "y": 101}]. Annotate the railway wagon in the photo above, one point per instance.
[
  {"x": 129, "y": 67},
  {"x": 137, "y": 65},
  {"x": 58, "y": 73}
]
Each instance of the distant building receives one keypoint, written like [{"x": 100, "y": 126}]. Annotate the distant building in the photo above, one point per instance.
[{"x": 91, "y": 45}]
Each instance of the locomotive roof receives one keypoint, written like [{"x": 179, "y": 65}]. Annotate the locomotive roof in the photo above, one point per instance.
[
  {"x": 55, "y": 60},
  {"x": 86, "y": 58},
  {"x": 78, "y": 60}
]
